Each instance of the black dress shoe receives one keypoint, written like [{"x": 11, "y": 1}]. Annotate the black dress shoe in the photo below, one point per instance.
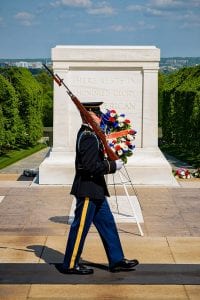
[
  {"x": 124, "y": 265},
  {"x": 78, "y": 269}
]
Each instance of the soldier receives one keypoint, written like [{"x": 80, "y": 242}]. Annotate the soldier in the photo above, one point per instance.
[{"x": 89, "y": 188}]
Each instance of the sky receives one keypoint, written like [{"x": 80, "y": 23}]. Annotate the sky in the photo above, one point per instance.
[{"x": 30, "y": 28}]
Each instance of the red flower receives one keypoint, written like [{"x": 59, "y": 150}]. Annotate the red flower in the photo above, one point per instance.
[
  {"x": 111, "y": 119},
  {"x": 112, "y": 111},
  {"x": 128, "y": 143},
  {"x": 127, "y": 121},
  {"x": 117, "y": 147},
  {"x": 132, "y": 131}
]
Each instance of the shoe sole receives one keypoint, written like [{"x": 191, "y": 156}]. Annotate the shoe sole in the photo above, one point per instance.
[{"x": 121, "y": 269}]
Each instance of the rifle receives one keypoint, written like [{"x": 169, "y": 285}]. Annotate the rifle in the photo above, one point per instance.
[{"x": 111, "y": 155}]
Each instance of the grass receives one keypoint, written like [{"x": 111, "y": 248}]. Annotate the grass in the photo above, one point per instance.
[
  {"x": 188, "y": 156},
  {"x": 15, "y": 155}
]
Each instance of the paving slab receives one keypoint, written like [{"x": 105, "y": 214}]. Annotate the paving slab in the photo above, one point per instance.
[
  {"x": 14, "y": 248},
  {"x": 120, "y": 292},
  {"x": 14, "y": 292},
  {"x": 193, "y": 291},
  {"x": 185, "y": 249}
]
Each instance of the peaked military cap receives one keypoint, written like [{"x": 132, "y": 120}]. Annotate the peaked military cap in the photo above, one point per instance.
[{"x": 93, "y": 106}]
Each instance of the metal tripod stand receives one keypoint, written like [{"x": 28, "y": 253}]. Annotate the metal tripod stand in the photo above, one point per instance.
[{"x": 125, "y": 180}]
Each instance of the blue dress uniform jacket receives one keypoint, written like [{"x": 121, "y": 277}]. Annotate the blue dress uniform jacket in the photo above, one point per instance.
[{"x": 91, "y": 166}]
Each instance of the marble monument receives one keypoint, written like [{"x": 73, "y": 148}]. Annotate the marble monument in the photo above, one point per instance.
[{"x": 125, "y": 78}]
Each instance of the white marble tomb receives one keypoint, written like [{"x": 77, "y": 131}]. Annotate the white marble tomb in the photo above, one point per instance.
[{"x": 125, "y": 78}]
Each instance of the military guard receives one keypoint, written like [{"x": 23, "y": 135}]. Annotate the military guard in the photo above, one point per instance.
[{"x": 89, "y": 188}]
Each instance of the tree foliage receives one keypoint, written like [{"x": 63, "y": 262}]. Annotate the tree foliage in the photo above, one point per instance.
[
  {"x": 12, "y": 130},
  {"x": 23, "y": 104},
  {"x": 181, "y": 110},
  {"x": 46, "y": 84},
  {"x": 30, "y": 102}
]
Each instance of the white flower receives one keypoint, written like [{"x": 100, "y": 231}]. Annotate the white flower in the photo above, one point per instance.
[
  {"x": 129, "y": 137},
  {"x": 120, "y": 119},
  {"x": 119, "y": 152},
  {"x": 125, "y": 147},
  {"x": 120, "y": 124},
  {"x": 123, "y": 139},
  {"x": 121, "y": 144}
]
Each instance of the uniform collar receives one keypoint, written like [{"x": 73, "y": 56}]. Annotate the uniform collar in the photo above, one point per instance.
[{"x": 87, "y": 126}]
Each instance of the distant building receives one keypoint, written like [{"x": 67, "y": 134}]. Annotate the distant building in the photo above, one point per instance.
[
  {"x": 4, "y": 64},
  {"x": 35, "y": 65},
  {"x": 23, "y": 64}
]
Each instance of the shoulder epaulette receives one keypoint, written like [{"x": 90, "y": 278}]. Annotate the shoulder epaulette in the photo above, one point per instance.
[{"x": 89, "y": 133}]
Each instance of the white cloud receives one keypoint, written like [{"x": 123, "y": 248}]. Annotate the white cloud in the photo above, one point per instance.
[
  {"x": 101, "y": 10},
  {"x": 138, "y": 26},
  {"x": 118, "y": 28},
  {"x": 166, "y": 3},
  {"x": 196, "y": 3},
  {"x": 190, "y": 25},
  {"x": 143, "y": 25},
  {"x": 174, "y": 4},
  {"x": 93, "y": 30},
  {"x": 75, "y": 3},
  {"x": 156, "y": 12},
  {"x": 189, "y": 20},
  {"x": 25, "y": 18},
  {"x": 146, "y": 9},
  {"x": 170, "y": 9},
  {"x": 136, "y": 7}
]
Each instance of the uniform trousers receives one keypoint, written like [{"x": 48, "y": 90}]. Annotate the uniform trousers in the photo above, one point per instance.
[{"x": 98, "y": 212}]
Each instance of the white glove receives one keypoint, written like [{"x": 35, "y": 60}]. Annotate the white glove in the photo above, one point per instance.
[{"x": 119, "y": 164}]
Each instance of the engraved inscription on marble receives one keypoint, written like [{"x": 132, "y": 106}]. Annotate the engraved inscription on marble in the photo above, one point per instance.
[
  {"x": 107, "y": 85},
  {"x": 120, "y": 90},
  {"x": 100, "y": 92}
]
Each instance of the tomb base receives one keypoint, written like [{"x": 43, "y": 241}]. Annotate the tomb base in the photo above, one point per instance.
[{"x": 146, "y": 167}]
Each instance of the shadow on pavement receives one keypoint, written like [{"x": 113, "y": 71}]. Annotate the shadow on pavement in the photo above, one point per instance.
[
  {"x": 45, "y": 273},
  {"x": 60, "y": 219}
]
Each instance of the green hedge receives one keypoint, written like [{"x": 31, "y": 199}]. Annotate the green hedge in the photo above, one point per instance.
[{"x": 181, "y": 111}]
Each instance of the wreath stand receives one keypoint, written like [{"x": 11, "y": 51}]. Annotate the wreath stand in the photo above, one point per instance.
[{"x": 125, "y": 181}]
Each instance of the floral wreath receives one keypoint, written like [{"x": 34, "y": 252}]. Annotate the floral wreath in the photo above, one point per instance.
[
  {"x": 184, "y": 173},
  {"x": 119, "y": 133}
]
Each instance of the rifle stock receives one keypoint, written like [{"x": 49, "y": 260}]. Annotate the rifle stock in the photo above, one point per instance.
[{"x": 111, "y": 155}]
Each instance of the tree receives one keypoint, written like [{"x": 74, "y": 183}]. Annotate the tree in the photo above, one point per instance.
[
  {"x": 2, "y": 131},
  {"x": 46, "y": 83},
  {"x": 30, "y": 102},
  {"x": 12, "y": 130},
  {"x": 161, "y": 80}
]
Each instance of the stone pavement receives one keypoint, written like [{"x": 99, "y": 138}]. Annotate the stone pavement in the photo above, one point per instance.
[{"x": 34, "y": 229}]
